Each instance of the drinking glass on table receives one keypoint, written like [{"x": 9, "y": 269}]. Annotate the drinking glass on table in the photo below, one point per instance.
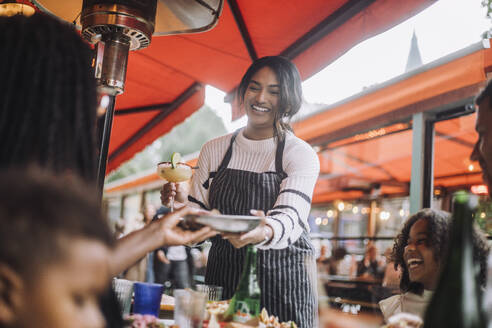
[
  {"x": 147, "y": 298},
  {"x": 214, "y": 293},
  {"x": 124, "y": 290},
  {"x": 174, "y": 172},
  {"x": 189, "y": 308}
]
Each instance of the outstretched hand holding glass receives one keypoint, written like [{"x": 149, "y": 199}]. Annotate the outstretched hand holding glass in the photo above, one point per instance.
[{"x": 173, "y": 172}]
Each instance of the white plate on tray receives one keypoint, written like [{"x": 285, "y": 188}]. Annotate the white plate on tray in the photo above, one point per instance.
[{"x": 226, "y": 223}]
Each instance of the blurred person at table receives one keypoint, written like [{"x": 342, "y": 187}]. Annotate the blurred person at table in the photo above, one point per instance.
[
  {"x": 143, "y": 269},
  {"x": 334, "y": 261},
  {"x": 322, "y": 259},
  {"x": 419, "y": 250},
  {"x": 47, "y": 118},
  {"x": 173, "y": 265},
  {"x": 392, "y": 275},
  {"x": 263, "y": 167},
  {"x": 149, "y": 212},
  {"x": 370, "y": 267},
  {"x": 54, "y": 251},
  {"x": 482, "y": 152}
]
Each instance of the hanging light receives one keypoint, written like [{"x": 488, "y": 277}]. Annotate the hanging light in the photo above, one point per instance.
[
  {"x": 9, "y": 8},
  {"x": 384, "y": 215},
  {"x": 479, "y": 189}
]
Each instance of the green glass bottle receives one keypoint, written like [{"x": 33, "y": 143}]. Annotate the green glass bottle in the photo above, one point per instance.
[
  {"x": 245, "y": 303},
  {"x": 457, "y": 300}
]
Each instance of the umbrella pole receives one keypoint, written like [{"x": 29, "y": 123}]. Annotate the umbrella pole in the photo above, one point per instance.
[{"x": 104, "y": 142}]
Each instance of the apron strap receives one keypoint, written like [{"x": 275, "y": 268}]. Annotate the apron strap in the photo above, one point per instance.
[
  {"x": 279, "y": 158},
  {"x": 225, "y": 160},
  {"x": 228, "y": 154}
]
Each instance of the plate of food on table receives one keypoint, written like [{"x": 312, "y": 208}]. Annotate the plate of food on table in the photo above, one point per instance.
[
  {"x": 218, "y": 310},
  {"x": 215, "y": 317}
]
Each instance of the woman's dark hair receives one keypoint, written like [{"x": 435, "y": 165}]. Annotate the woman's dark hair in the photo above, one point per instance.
[
  {"x": 289, "y": 80},
  {"x": 439, "y": 226},
  {"x": 48, "y": 96}
]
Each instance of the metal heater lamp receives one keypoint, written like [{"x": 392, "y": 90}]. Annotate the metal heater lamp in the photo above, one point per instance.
[{"x": 117, "y": 26}]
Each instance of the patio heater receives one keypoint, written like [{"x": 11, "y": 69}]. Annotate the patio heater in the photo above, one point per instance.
[{"x": 116, "y": 27}]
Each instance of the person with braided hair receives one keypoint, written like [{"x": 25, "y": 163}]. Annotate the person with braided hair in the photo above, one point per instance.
[
  {"x": 48, "y": 103},
  {"x": 48, "y": 116},
  {"x": 48, "y": 98}
]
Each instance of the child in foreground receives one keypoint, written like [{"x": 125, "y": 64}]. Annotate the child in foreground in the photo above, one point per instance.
[{"x": 54, "y": 248}]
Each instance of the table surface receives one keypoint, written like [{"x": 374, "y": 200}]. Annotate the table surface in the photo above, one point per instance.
[
  {"x": 167, "y": 322},
  {"x": 332, "y": 318}
]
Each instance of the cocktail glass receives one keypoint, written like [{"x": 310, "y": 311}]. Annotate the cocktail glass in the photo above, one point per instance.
[{"x": 181, "y": 172}]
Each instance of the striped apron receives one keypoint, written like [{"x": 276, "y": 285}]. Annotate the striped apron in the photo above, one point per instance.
[{"x": 285, "y": 275}]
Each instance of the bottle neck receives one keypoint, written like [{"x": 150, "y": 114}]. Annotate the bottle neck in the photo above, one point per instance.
[
  {"x": 462, "y": 224},
  {"x": 251, "y": 253}
]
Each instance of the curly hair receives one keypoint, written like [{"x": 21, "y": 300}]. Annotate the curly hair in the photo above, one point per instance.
[{"x": 439, "y": 226}]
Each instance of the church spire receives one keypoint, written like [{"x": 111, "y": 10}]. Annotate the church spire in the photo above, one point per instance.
[{"x": 414, "y": 59}]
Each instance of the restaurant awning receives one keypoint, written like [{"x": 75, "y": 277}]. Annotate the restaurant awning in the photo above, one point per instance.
[
  {"x": 356, "y": 155},
  {"x": 165, "y": 81},
  {"x": 365, "y": 142}
]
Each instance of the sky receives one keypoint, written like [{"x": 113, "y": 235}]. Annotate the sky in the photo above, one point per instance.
[{"x": 441, "y": 29}]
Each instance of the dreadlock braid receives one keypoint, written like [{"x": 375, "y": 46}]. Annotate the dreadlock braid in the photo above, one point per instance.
[{"x": 47, "y": 96}]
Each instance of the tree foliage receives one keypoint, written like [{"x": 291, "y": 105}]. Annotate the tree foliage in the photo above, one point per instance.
[
  {"x": 186, "y": 138},
  {"x": 488, "y": 5}
]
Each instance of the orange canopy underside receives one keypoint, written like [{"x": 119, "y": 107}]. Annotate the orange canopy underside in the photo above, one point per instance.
[
  {"x": 349, "y": 164},
  {"x": 161, "y": 73}
]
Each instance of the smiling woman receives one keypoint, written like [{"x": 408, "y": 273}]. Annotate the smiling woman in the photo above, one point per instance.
[
  {"x": 419, "y": 251},
  {"x": 263, "y": 167},
  {"x": 271, "y": 94}
]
